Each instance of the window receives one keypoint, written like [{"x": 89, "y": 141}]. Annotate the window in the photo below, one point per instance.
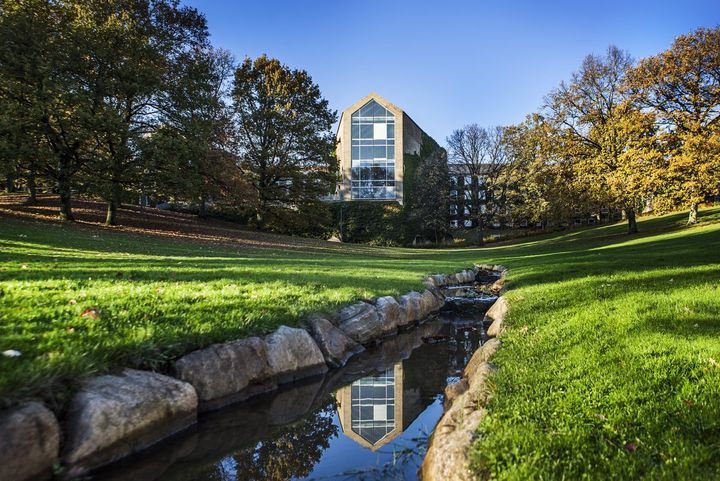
[
  {"x": 372, "y": 411},
  {"x": 373, "y": 153}
]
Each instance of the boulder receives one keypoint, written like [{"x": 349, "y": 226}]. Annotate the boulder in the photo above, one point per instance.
[
  {"x": 292, "y": 354},
  {"x": 361, "y": 323},
  {"x": 390, "y": 314},
  {"x": 482, "y": 355},
  {"x": 430, "y": 303},
  {"x": 228, "y": 372},
  {"x": 114, "y": 415},
  {"x": 496, "y": 317},
  {"x": 438, "y": 279},
  {"x": 411, "y": 303},
  {"x": 336, "y": 347},
  {"x": 30, "y": 441},
  {"x": 447, "y": 456}
]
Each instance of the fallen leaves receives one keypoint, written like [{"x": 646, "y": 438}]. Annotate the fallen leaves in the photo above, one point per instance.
[{"x": 92, "y": 313}]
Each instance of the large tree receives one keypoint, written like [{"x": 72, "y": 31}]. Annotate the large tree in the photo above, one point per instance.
[
  {"x": 285, "y": 145},
  {"x": 129, "y": 47},
  {"x": 682, "y": 87},
  {"x": 589, "y": 114},
  {"x": 46, "y": 103},
  {"x": 189, "y": 155}
]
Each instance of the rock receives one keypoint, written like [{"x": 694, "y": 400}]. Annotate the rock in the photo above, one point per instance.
[
  {"x": 451, "y": 280},
  {"x": 455, "y": 389},
  {"x": 481, "y": 355},
  {"x": 292, "y": 354},
  {"x": 447, "y": 454},
  {"x": 361, "y": 323},
  {"x": 496, "y": 315},
  {"x": 114, "y": 415},
  {"x": 411, "y": 303},
  {"x": 430, "y": 303},
  {"x": 438, "y": 279},
  {"x": 390, "y": 314},
  {"x": 228, "y": 372},
  {"x": 30, "y": 442},
  {"x": 336, "y": 347}
]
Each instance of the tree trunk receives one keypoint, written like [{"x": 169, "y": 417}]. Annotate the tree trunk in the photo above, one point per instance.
[
  {"x": 481, "y": 241},
  {"x": 31, "y": 188},
  {"x": 65, "y": 200},
  {"x": 202, "y": 208},
  {"x": 632, "y": 222},
  {"x": 113, "y": 204},
  {"x": 692, "y": 218},
  {"x": 9, "y": 183}
]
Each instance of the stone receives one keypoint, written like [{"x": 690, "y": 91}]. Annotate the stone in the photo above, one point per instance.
[
  {"x": 30, "y": 442},
  {"x": 430, "y": 303},
  {"x": 336, "y": 347},
  {"x": 411, "y": 303},
  {"x": 447, "y": 455},
  {"x": 361, "y": 323},
  {"x": 453, "y": 390},
  {"x": 292, "y": 354},
  {"x": 483, "y": 354},
  {"x": 227, "y": 372},
  {"x": 115, "y": 415},
  {"x": 496, "y": 316},
  {"x": 389, "y": 313},
  {"x": 438, "y": 279}
]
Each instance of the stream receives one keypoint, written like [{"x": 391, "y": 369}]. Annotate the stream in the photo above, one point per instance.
[{"x": 369, "y": 420}]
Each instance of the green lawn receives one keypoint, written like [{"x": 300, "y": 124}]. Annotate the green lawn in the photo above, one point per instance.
[{"x": 610, "y": 367}]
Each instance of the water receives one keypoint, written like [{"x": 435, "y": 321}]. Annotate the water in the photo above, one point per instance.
[{"x": 368, "y": 420}]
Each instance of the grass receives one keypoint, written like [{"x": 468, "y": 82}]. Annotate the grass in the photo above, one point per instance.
[{"x": 609, "y": 369}]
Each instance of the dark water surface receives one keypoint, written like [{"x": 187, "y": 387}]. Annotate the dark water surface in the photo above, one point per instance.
[{"x": 368, "y": 420}]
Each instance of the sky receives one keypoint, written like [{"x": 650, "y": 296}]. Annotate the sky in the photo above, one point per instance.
[{"x": 447, "y": 63}]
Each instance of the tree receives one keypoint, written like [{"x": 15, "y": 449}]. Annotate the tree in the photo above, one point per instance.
[
  {"x": 285, "y": 146},
  {"x": 587, "y": 113},
  {"x": 479, "y": 152},
  {"x": 128, "y": 47},
  {"x": 45, "y": 104},
  {"x": 682, "y": 87},
  {"x": 189, "y": 154},
  {"x": 431, "y": 201}
]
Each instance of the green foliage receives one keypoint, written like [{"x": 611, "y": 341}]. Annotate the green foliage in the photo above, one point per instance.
[
  {"x": 370, "y": 222},
  {"x": 431, "y": 199},
  {"x": 286, "y": 149}
]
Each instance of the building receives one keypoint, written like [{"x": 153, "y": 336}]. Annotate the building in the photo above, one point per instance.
[
  {"x": 378, "y": 149},
  {"x": 376, "y": 409}
]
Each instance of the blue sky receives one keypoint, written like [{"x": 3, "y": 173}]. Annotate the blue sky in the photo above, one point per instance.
[{"x": 447, "y": 63}]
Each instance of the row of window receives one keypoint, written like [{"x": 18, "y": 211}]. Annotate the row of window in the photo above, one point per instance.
[
  {"x": 372, "y": 153},
  {"x": 372, "y": 189}
]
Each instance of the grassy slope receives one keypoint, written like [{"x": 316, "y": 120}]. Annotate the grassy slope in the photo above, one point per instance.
[
  {"x": 608, "y": 369},
  {"x": 159, "y": 298},
  {"x": 611, "y": 365}
]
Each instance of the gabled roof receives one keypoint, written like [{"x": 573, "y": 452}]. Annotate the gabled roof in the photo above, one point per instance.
[{"x": 377, "y": 98}]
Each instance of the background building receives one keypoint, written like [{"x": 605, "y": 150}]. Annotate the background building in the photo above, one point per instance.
[{"x": 379, "y": 147}]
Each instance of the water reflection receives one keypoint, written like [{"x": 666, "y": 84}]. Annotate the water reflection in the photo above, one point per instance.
[{"x": 356, "y": 422}]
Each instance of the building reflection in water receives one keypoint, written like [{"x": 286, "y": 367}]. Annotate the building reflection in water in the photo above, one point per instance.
[{"x": 374, "y": 410}]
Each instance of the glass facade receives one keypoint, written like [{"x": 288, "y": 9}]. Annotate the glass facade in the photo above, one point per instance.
[
  {"x": 373, "y": 153},
  {"x": 373, "y": 406}
]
